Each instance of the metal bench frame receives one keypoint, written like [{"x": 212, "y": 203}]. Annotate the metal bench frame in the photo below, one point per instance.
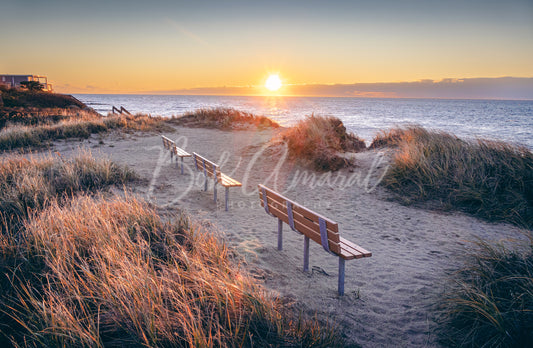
[
  {"x": 175, "y": 151},
  {"x": 313, "y": 226},
  {"x": 212, "y": 170}
]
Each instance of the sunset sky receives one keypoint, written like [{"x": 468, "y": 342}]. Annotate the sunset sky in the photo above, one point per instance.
[{"x": 171, "y": 46}]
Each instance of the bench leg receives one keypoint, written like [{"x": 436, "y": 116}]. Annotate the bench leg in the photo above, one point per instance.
[
  {"x": 182, "y": 165},
  {"x": 280, "y": 234},
  {"x": 341, "y": 276},
  {"x": 215, "y": 191},
  {"x": 205, "y": 182},
  {"x": 227, "y": 197},
  {"x": 306, "y": 254}
]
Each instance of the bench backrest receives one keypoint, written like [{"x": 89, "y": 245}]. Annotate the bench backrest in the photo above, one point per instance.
[
  {"x": 167, "y": 143},
  {"x": 211, "y": 169},
  {"x": 305, "y": 221},
  {"x": 179, "y": 151}
]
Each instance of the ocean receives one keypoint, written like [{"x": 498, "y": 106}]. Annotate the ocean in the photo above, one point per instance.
[{"x": 507, "y": 120}]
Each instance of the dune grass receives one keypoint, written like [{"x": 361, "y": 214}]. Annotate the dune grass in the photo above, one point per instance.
[
  {"x": 223, "y": 118},
  {"x": 490, "y": 179},
  {"x": 95, "y": 272},
  {"x": 318, "y": 140},
  {"x": 491, "y": 301},
  {"x": 27, "y": 184},
  {"x": 77, "y": 125},
  {"x": 31, "y": 116}
]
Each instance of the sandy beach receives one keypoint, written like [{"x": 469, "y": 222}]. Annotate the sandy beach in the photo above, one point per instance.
[{"x": 389, "y": 297}]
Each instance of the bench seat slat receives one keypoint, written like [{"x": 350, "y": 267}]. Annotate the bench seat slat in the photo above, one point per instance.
[
  {"x": 348, "y": 253},
  {"x": 353, "y": 246},
  {"x": 226, "y": 181}
]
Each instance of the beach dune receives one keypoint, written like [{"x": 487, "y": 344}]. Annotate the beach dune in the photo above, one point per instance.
[{"x": 390, "y": 297}]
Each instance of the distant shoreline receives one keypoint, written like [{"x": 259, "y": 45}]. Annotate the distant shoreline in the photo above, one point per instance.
[
  {"x": 298, "y": 96},
  {"x": 363, "y": 116}
]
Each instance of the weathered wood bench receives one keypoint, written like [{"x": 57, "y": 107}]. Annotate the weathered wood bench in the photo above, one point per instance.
[
  {"x": 175, "y": 151},
  {"x": 313, "y": 226},
  {"x": 212, "y": 170}
]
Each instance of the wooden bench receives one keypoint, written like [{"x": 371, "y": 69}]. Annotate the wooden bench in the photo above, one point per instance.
[
  {"x": 175, "y": 151},
  {"x": 212, "y": 170},
  {"x": 313, "y": 226}
]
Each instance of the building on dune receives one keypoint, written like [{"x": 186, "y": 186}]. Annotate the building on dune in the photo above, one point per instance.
[{"x": 15, "y": 80}]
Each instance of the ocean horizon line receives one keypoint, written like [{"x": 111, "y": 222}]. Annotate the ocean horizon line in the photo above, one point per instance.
[{"x": 294, "y": 96}]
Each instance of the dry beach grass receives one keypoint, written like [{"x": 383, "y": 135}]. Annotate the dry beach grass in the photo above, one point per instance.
[
  {"x": 189, "y": 285},
  {"x": 490, "y": 179},
  {"x": 319, "y": 140},
  {"x": 97, "y": 272}
]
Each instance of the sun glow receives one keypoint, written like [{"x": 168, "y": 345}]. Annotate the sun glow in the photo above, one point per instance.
[{"x": 273, "y": 83}]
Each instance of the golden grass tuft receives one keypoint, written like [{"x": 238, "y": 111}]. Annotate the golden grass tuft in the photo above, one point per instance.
[
  {"x": 490, "y": 302},
  {"x": 319, "y": 139},
  {"x": 223, "y": 118},
  {"x": 490, "y": 179},
  {"x": 95, "y": 273}
]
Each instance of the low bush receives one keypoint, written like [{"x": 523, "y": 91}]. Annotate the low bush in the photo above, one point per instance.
[
  {"x": 490, "y": 179},
  {"x": 491, "y": 301},
  {"x": 318, "y": 140},
  {"x": 223, "y": 118}
]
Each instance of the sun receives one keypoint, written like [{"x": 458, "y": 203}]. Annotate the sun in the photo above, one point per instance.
[{"x": 273, "y": 83}]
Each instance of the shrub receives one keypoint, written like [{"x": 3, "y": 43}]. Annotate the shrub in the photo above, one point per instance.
[
  {"x": 491, "y": 302},
  {"x": 14, "y": 97},
  {"x": 318, "y": 139},
  {"x": 223, "y": 118},
  {"x": 490, "y": 179},
  {"x": 34, "y": 86},
  {"x": 112, "y": 273}
]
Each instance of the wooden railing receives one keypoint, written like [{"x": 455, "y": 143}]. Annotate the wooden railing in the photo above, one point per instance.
[{"x": 120, "y": 111}]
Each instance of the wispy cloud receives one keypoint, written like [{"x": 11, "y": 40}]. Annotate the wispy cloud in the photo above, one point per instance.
[
  {"x": 467, "y": 88},
  {"x": 89, "y": 89},
  {"x": 186, "y": 32}
]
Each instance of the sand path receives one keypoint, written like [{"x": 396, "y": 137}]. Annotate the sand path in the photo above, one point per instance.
[{"x": 389, "y": 297}]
